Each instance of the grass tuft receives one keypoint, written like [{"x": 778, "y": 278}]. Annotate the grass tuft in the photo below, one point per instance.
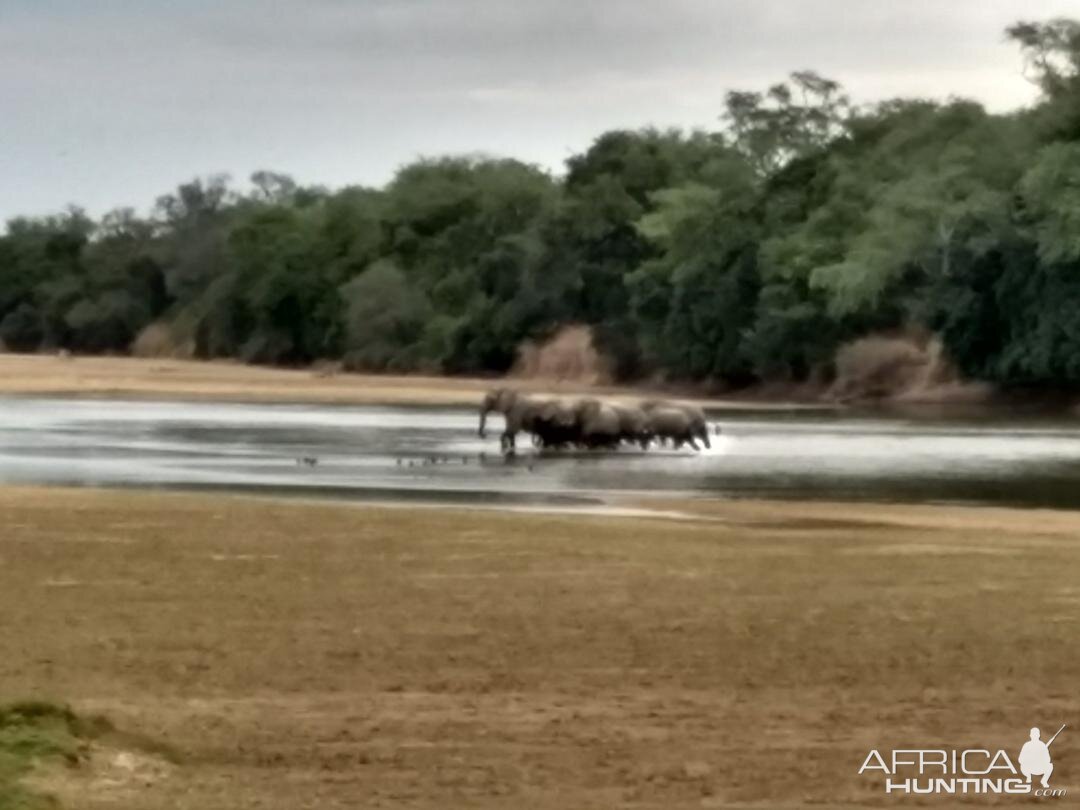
[{"x": 38, "y": 731}]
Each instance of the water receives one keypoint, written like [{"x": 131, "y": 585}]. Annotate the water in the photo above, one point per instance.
[{"x": 434, "y": 454}]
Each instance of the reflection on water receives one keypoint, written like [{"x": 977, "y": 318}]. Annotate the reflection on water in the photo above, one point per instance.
[{"x": 427, "y": 453}]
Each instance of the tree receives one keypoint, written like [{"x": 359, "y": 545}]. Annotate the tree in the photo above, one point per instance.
[
  {"x": 742, "y": 255},
  {"x": 273, "y": 187},
  {"x": 1050, "y": 191},
  {"x": 385, "y": 320},
  {"x": 786, "y": 122},
  {"x": 22, "y": 329},
  {"x": 1051, "y": 52},
  {"x": 695, "y": 301}
]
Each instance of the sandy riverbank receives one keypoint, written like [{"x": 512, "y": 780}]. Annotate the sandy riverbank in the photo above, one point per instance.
[
  {"x": 299, "y": 654},
  {"x": 224, "y": 380}
]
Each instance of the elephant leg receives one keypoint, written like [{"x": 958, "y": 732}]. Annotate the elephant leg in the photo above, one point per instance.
[
  {"x": 692, "y": 443},
  {"x": 508, "y": 444}
]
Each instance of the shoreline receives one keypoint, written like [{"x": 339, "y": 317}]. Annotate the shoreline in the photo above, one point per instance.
[
  {"x": 632, "y": 506},
  {"x": 673, "y": 505},
  {"x": 229, "y": 381}
]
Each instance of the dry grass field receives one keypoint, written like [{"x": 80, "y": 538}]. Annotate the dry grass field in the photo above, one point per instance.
[{"x": 315, "y": 655}]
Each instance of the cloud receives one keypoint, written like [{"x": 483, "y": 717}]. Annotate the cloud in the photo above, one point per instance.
[{"x": 114, "y": 102}]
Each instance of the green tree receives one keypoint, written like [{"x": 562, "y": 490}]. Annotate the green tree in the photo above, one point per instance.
[
  {"x": 788, "y": 121},
  {"x": 385, "y": 320},
  {"x": 695, "y": 301}
]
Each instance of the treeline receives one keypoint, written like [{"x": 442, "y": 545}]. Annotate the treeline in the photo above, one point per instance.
[{"x": 747, "y": 254}]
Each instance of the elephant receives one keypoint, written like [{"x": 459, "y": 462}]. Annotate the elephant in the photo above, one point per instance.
[
  {"x": 699, "y": 426},
  {"x": 673, "y": 424},
  {"x": 519, "y": 413},
  {"x": 556, "y": 424},
  {"x": 590, "y": 422},
  {"x": 598, "y": 424},
  {"x": 633, "y": 424}
]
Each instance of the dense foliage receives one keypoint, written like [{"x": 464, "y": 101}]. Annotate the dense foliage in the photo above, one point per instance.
[{"x": 746, "y": 254}]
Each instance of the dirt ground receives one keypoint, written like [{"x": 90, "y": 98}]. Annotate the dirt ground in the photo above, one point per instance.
[
  {"x": 227, "y": 380},
  {"x": 303, "y": 655}
]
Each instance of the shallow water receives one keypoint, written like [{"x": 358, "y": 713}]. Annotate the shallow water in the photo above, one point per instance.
[{"x": 435, "y": 454}]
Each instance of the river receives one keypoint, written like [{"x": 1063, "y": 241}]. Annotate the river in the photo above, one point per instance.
[{"x": 434, "y": 454}]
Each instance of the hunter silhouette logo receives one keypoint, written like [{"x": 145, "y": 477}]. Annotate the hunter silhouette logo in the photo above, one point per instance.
[
  {"x": 920, "y": 771},
  {"x": 1035, "y": 757}
]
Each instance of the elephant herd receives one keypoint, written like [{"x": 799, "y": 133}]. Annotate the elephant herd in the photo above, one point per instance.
[{"x": 587, "y": 422}]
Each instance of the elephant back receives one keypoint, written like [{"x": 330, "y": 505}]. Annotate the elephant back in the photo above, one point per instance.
[
  {"x": 670, "y": 422},
  {"x": 600, "y": 419},
  {"x": 632, "y": 420}
]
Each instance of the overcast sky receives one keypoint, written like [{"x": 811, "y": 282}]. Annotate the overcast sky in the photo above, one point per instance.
[{"x": 112, "y": 103}]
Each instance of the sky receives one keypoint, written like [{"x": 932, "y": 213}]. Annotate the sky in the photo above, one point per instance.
[{"x": 107, "y": 103}]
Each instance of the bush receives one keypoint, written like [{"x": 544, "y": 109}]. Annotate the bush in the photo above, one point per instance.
[
  {"x": 158, "y": 340},
  {"x": 106, "y": 323},
  {"x": 876, "y": 367},
  {"x": 36, "y": 731},
  {"x": 569, "y": 354},
  {"x": 23, "y": 329}
]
